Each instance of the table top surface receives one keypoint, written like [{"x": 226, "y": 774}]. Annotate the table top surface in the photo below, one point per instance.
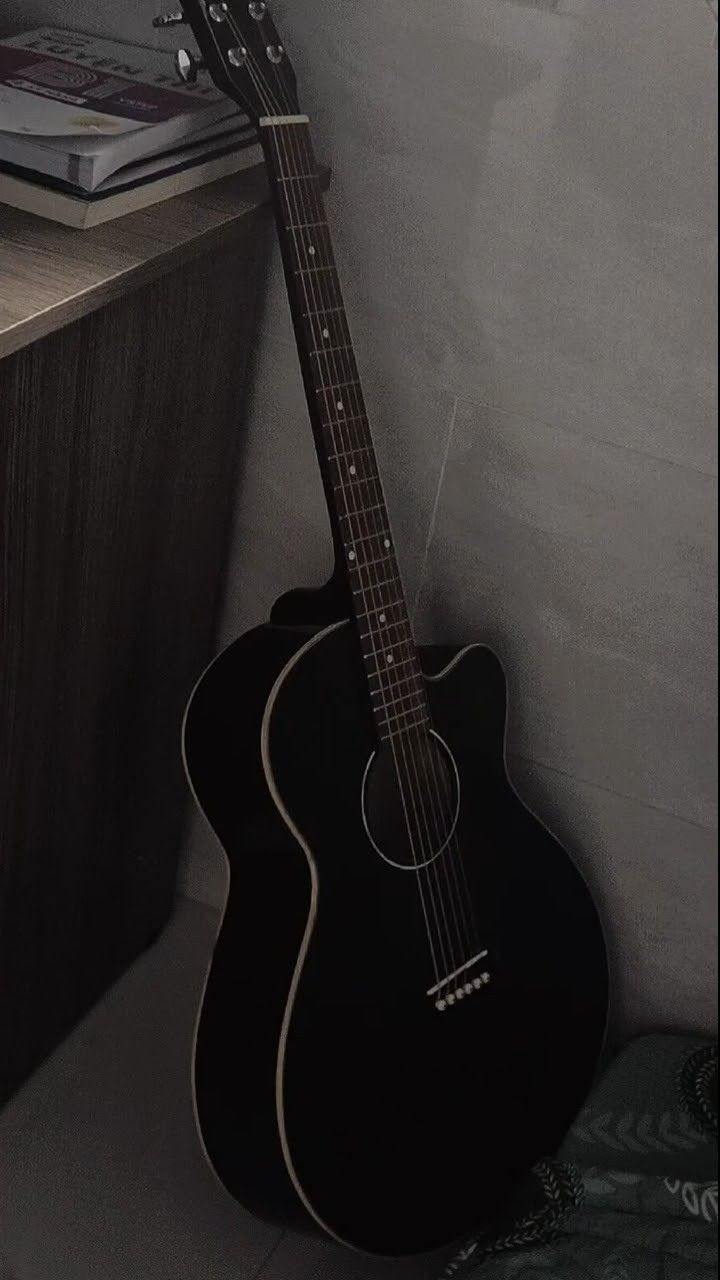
[{"x": 51, "y": 275}]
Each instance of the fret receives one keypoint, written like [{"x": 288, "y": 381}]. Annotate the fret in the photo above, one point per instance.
[
  {"x": 326, "y": 311},
  {"x": 355, "y": 449},
  {"x": 413, "y": 676},
  {"x": 356, "y": 565},
  {"x": 295, "y": 177},
  {"x": 305, "y": 226},
  {"x": 353, "y": 481},
  {"x": 348, "y": 453},
  {"x": 395, "y": 733},
  {"x": 382, "y": 608},
  {"x": 389, "y": 668},
  {"x": 358, "y": 513},
  {"x": 402, "y": 649},
  {"x": 328, "y": 351},
  {"x": 307, "y": 271},
  {"x": 378, "y": 506},
  {"x": 409, "y": 711},
  {"x": 378, "y": 635},
  {"x": 414, "y": 719},
  {"x": 337, "y": 386},
  {"x": 374, "y": 586},
  {"x": 357, "y": 484},
  {"x": 367, "y": 537},
  {"x": 392, "y": 683},
  {"x": 339, "y": 422},
  {"x": 379, "y": 647}
]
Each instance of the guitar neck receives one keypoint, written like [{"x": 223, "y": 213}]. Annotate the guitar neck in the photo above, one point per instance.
[{"x": 353, "y": 488}]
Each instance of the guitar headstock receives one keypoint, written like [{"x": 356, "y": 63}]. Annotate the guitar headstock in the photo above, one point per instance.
[{"x": 242, "y": 52}]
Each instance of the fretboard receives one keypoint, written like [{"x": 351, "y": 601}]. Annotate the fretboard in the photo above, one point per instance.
[{"x": 352, "y": 481}]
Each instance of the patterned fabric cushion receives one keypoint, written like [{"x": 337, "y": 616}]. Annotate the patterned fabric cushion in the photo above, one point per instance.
[
  {"x": 640, "y": 1116},
  {"x": 633, "y": 1194}
]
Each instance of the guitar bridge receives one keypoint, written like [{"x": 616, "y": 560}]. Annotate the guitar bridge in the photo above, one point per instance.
[{"x": 459, "y": 984}]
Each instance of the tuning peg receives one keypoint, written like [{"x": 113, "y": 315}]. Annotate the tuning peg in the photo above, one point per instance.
[
  {"x": 176, "y": 19},
  {"x": 187, "y": 66}
]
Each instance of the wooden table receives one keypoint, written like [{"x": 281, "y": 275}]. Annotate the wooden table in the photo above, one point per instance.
[{"x": 123, "y": 360}]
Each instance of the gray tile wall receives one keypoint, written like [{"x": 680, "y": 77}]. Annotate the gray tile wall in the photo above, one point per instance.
[{"x": 524, "y": 197}]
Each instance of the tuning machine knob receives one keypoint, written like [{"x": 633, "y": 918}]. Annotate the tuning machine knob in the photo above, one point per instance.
[
  {"x": 187, "y": 66},
  {"x": 176, "y": 19}
]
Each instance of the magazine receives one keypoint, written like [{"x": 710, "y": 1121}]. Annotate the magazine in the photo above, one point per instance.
[{"x": 79, "y": 107}]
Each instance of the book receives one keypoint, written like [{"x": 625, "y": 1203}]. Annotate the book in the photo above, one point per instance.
[
  {"x": 79, "y": 107},
  {"x": 147, "y": 185}
]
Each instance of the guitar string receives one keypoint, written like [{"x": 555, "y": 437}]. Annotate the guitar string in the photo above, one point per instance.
[
  {"x": 388, "y": 713},
  {"x": 438, "y": 822},
  {"x": 455, "y": 890},
  {"x": 456, "y": 895},
  {"x": 433, "y": 954},
  {"x": 337, "y": 431},
  {"x": 338, "y": 428},
  {"x": 379, "y": 676}
]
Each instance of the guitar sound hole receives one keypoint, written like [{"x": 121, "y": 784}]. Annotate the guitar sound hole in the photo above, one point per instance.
[{"x": 410, "y": 800}]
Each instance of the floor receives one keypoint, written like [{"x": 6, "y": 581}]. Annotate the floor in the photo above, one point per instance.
[{"x": 102, "y": 1176}]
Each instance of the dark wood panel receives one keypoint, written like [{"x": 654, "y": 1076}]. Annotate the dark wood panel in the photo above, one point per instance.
[{"x": 118, "y": 445}]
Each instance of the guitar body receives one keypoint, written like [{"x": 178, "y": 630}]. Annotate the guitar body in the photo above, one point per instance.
[{"x": 331, "y": 1090}]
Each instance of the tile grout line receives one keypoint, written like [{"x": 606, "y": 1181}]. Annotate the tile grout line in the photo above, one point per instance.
[
  {"x": 257, "y": 1275},
  {"x": 433, "y": 515},
  {"x": 591, "y": 437},
  {"x": 610, "y": 791},
  {"x": 582, "y": 435}
]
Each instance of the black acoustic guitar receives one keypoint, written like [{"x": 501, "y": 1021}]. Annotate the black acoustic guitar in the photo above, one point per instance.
[{"x": 408, "y": 995}]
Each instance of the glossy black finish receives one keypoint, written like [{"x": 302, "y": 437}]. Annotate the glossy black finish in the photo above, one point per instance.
[{"x": 404, "y": 1126}]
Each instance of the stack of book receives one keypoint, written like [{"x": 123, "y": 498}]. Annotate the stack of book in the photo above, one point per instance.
[{"x": 91, "y": 129}]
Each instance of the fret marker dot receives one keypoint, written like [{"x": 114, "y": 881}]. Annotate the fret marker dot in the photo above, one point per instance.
[
  {"x": 326, "y": 333},
  {"x": 386, "y": 542},
  {"x": 382, "y": 617},
  {"x": 389, "y": 657},
  {"x": 353, "y": 470},
  {"x": 311, "y": 249},
  {"x": 340, "y": 406},
  {"x": 351, "y": 555}
]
